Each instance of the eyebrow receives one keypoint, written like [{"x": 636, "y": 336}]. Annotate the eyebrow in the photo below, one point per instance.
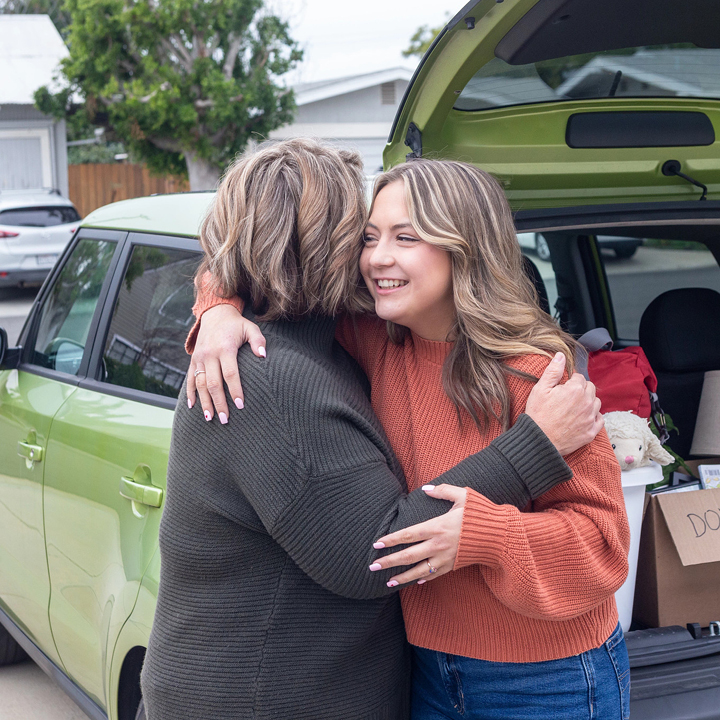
[{"x": 399, "y": 226}]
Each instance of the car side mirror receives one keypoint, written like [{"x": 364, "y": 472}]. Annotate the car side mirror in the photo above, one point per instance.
[{"x": 9, "y": 357}]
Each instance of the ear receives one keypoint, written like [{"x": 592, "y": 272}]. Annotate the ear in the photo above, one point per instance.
[{"x": 655, "y": 451}]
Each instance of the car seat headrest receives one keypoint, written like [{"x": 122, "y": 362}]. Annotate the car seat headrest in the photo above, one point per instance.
[{"x": 680, "y": 331}]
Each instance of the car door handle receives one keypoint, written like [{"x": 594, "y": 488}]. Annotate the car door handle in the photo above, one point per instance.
[
  {"x": 30, "y": 450},
  {"x": 139, "y": 488}
]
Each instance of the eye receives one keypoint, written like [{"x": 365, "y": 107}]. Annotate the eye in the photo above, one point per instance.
[
  {"x": 407, "y": 238},
  {"x": 367, "y": 239},
  {"x": 640, "y": 448},
  {"x": 613, "y": 447}
]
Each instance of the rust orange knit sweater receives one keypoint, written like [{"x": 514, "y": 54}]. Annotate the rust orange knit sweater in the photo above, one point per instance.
[{"x": 528, "y": 586}]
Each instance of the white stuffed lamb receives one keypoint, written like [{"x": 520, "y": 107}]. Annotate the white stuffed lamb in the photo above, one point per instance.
[{"x": 633, "y": 441}]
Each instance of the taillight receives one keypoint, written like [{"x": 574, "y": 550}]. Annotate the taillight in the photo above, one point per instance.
[{"x": 7, "y": 234}]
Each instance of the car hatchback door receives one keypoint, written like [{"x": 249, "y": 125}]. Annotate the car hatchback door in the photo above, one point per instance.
[
  {"x": 55, "y": 353},
  {"x": 573, "y": 102},
  {"x": 109, "y": 443}
]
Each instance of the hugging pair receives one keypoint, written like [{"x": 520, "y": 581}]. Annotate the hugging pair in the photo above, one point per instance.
[{"x": 391, "y": 400}]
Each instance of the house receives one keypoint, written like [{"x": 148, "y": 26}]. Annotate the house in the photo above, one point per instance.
[
  {"x": 33, "y": 150},
  {"x": 355, "y": 112}
]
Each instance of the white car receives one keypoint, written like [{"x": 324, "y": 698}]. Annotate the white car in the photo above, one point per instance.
[
  {"x": 624, "y": 247},
  {"x": 35, "y": 227}
]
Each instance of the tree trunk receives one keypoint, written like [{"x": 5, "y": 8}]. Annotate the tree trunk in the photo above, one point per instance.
[{"x": 203, "y": 175}]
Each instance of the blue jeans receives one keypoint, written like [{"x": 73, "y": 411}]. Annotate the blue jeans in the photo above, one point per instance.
[{"x": 592, "y": 686}]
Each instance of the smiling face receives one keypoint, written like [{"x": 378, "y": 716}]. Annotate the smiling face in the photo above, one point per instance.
[{"x": 409, "y": 279}]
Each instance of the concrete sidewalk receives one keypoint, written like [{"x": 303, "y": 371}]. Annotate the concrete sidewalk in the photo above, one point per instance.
[{"x": 26, "y": 693}]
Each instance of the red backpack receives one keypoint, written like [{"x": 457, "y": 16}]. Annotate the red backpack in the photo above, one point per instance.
[{"x": 624, "y": 379}]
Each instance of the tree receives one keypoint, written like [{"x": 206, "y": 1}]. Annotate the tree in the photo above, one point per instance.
[
  {"x": 184, "y": 84},
  {"x": 53, "y": 8},
  {"x": 422, "y": 39}
]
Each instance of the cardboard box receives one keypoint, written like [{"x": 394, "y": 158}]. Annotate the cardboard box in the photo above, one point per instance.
[{"x": 678, "y": 577}]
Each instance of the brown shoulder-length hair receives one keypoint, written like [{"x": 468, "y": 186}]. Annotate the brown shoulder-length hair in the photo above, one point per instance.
[
  {"x": 463, "y": 210},
  {"x": 284, "y": 230}
]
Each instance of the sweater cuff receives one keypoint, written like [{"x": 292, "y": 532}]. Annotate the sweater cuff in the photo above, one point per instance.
[
  {"x": 483, "y": 532},
  {"x": 533, "y": 456}
]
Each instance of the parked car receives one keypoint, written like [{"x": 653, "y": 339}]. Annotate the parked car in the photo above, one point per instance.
[
  {"x": 35, "y": 227},
  {"x": 87, "y": 397},
  {"x": 623, "y": 247}
]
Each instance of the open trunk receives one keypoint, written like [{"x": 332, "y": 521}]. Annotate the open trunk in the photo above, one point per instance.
[{"x": 675, "y": 670}]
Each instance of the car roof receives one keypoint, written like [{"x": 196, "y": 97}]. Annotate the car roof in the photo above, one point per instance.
[
  {"x": 11, "y": 199},
  {"x": 176, "y": 214}
]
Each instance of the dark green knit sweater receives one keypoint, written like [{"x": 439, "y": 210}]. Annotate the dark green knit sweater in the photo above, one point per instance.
[{"x": 266, "y": 606}]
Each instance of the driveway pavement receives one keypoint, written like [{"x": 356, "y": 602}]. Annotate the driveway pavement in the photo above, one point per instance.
[{"x": 27, "y": 693}]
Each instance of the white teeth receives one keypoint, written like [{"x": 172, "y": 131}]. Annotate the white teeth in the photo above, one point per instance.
[{"x": 391, "y": 283}]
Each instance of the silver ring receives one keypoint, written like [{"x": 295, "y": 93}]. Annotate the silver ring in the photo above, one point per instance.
[
  {"x": 197, "y": 372},
  {"x": 433, "y": 569}
]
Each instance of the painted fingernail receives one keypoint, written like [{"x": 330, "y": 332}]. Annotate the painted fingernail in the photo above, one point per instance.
[
  {"x": 393, "y": 583},
  {"x": 375, "y": 566},
  {"x": 223, "y": 418},
  {"x": 428, "y": 488},
  {"x": 261, "y": 351},
  {"x": 239, "y": 404},
  {"x": 190, "y": 404},
  {"x": 379, "y": 545},
  {"x": 420, "y": 582},
  {"x": 208, "y": 416}
]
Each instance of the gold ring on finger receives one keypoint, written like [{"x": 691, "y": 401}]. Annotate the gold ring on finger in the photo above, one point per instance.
[{"x": 433, "y": 569}]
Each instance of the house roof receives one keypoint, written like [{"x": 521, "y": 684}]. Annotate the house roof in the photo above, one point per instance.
[
  {"x": 31, "y": 50},
  {"x": 321, "y": 90},
  {"x": 678, "y": 71}
]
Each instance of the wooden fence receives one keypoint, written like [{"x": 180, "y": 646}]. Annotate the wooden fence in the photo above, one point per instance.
[{"x": 95, "y": 184}]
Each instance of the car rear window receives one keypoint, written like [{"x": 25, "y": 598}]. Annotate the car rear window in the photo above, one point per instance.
[
  {"x": 681, "y": 70},
  {"x": 39, "y": 216}
]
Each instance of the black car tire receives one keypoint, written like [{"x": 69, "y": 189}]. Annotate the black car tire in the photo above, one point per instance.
[
  {"x": 541, "y": 248},
  {"x": 623, "y": 253},
  {"x": 140, "y": 714},
  {"x": 10, "y": 651}
]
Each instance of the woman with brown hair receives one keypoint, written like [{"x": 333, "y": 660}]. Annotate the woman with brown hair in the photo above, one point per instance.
[
  {"x": 266, "y": 607},
  {"x": 526, "y": 626}
]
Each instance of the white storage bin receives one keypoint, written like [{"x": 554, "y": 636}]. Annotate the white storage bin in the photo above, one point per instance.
[{"x": 633, "y": 484}]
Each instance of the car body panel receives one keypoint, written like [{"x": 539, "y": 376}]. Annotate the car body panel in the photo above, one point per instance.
[
  {"x": 28, "y": 403},
  {"x": 97, "y": 561},
  {"x": 525, "y": 146},
  {"x": 177, "y": 214}
]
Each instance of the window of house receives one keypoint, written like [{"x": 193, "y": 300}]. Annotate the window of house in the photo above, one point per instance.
[{"x": 387, "y": 93}]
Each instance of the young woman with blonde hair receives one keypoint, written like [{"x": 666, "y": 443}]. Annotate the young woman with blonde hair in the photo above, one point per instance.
[
  {"x": 266, "y": 607},
  {"x": 526, "y": 625}
]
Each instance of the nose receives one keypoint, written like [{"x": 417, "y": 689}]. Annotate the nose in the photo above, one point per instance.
[
  {"x": 629, "y": 459},
  {"x": 381, "y": 255}
]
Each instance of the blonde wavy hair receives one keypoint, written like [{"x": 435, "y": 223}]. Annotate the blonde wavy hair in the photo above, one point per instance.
[
  {"x": 284, "y": 231},
  {"x": 462, "y": 209}
]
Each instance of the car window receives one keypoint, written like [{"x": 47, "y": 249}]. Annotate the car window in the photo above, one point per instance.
[
  {"x": 67, "y": 312},
  {"x": 145, "y": 346},
  {"x": 535, "y": 249},
  {"x": 39, "y": 216},
  {"x": 664, "y": 70},
  {"x": 655, "y": 267}
]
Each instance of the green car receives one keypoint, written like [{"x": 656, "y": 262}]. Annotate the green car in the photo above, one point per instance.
[{"x": 600, "y": 118}]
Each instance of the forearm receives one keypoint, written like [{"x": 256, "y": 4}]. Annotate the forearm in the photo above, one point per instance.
[
  {"x": 205, "y": 299},
  {"x": 560, "y": 561}
]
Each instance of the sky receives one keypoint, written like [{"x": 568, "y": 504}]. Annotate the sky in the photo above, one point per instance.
[{"x": 343, "y": 38}]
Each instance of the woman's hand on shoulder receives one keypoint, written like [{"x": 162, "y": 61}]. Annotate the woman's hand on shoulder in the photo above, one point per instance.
[
  {"x": 568, "y": 413},
  {"x": 433, "y": 543},
  {"x": 223, "y": 331}
]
